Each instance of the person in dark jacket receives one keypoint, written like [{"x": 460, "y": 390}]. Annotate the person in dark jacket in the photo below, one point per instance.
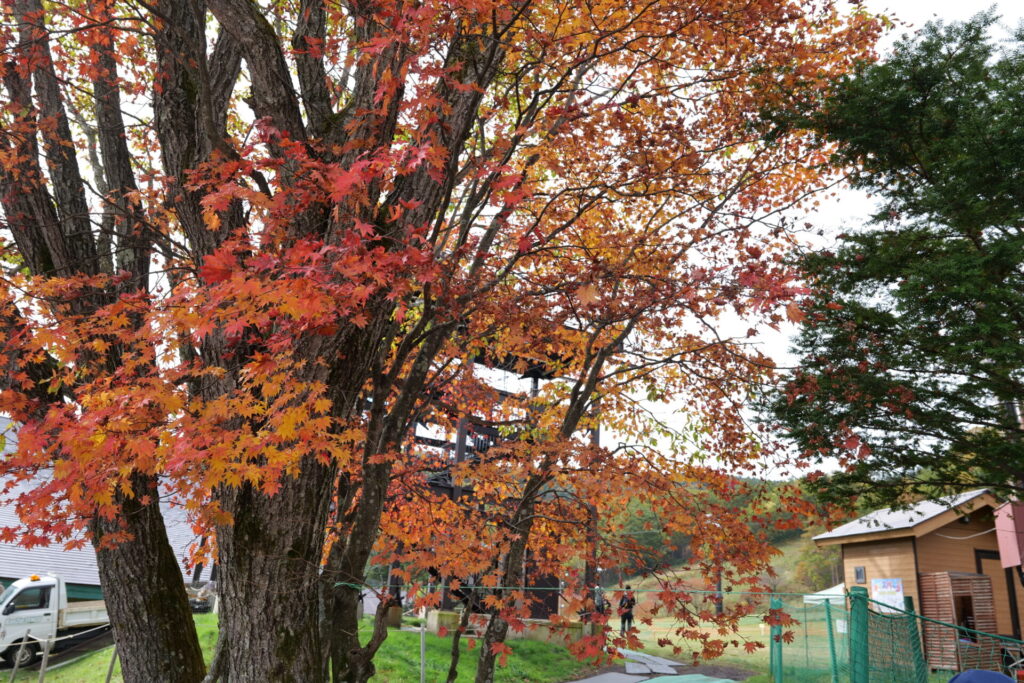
[{"x": 626, "y": 604}]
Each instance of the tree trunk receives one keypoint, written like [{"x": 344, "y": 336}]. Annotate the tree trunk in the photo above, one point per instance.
[
  {"x": 497, "y": 627},
  {"x": 355, "y": 664},
  {"x": 145, "y": 595},
  {"x": 270, "y": 563},
  {"x": 453, "y": 668},
  {"x": 351, "y": 661}
]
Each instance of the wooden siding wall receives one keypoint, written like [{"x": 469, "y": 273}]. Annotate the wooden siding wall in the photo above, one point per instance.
[
  {"x": 893, "y": 559},
  {"x": 937, "y": 603},
  {"x": 937, "y": 552}
]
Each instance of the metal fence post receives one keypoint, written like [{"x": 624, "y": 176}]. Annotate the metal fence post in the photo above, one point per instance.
[
  {"x": 859, "y": 653},
  {"x": 775, "y": 642},
  {"x": 916, "y": 649},
  {"x": 113, "y": 660},
  {"x": 834, "y": 667},
  {"x": 807, "y": 640},
  {"x": 423, "y": 646}
]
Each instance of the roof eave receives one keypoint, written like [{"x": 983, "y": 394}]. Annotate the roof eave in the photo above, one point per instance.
[
  {"x": 921, "y": 528},
  {"x": 880, "y": 535}
]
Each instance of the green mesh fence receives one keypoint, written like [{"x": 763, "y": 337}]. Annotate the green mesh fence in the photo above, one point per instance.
[
  {"x": 885, "y": 643},
  {"x": 947, "y": 648},
  {"x": 858, "y": 640},
  {"x": 816, "y": 647}
]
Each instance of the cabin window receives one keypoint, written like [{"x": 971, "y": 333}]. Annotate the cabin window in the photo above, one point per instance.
[
  {"x": 859, "y": 575},
  {"x": 33, "y": 598}
]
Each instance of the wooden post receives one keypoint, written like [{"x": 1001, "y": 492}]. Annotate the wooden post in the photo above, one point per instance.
[
  {"x": 46, "y": 660},
  {"x": 17, "y": 657}
]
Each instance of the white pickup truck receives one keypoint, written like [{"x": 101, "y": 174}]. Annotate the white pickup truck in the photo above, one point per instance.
[{"x": 38, "y": 606}]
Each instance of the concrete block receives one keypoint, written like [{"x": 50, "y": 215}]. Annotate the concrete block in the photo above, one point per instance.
[
  {"x": 437, "y": 618},
  {"x": 542, "y": 630},
  {"x": 661, "y": 669},
  {"x": 393, "y": 617},
  {"x": 613, "y": 678}
]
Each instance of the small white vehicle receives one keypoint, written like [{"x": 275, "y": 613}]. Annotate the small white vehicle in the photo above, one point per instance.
[{"x": 37, "y": 606}]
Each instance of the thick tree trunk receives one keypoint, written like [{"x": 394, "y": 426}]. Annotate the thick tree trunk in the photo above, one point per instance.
[
  {"x": 270, "y": 563},
  {"x": 145, "y": 595},
  {"x": 345, "y": 570}
]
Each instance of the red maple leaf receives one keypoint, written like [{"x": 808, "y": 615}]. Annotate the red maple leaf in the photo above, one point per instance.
[{"x": 218, "y": 266}]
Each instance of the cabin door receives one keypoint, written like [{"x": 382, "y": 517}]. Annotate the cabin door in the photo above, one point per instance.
[{"x": 1004, "y": 594}]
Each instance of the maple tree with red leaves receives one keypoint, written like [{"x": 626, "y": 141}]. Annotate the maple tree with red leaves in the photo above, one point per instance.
[{"x": 250, "y": 244}]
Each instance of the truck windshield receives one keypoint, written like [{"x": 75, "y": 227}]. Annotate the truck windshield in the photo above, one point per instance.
[{"x": 6, "y": 595}]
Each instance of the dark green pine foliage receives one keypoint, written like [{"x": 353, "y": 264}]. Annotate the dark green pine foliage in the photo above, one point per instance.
[{"x": 912, "y": 361}]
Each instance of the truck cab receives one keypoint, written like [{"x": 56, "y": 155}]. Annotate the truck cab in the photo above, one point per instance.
[{"x": 28, "y": 607}]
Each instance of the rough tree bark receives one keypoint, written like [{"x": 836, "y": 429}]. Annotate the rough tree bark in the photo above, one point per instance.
[
  {"x": 269, "y": 588},
  {"x": 145, "y": 595},
  {"x": 497, "y": 628}
]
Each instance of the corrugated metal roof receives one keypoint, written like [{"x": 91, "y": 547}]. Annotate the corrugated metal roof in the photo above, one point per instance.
[
  {"x": 905, "y": 518},
  {"x": 75, "y": 565}
]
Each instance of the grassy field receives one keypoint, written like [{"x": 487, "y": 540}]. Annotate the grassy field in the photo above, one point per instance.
[
  {"x": 810, "y": 646},
  {"x": 784, "y": 565},
  {"x": 397, "y": 661}
]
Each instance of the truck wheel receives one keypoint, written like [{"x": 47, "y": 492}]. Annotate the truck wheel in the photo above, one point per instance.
[{"x": 29, "y": 654}]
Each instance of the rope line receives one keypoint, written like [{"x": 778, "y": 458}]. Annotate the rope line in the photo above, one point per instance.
[
  {"x": 73, "y": 635},
  {"x": 964, "y": 538}
]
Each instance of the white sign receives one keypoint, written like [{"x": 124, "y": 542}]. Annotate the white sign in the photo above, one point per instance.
[{"x": 888, "y": 592}]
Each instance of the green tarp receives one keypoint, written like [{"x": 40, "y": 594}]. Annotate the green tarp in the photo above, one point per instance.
[{"x": 76, "y": 591}]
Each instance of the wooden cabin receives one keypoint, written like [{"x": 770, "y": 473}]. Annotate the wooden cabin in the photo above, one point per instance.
[{"x": 943, "y": 554}]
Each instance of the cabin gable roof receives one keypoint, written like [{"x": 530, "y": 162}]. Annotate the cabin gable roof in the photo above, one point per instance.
[{"x": 914, "y": 521}]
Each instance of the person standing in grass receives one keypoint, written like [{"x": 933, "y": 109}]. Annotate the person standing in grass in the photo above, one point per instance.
[{"x": 626, "y": 604}]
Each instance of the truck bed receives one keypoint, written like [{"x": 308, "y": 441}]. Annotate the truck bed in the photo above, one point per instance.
[{"x": 82, "y": 614}]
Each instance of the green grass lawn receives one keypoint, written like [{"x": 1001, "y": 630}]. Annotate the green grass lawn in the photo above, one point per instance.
[
  {"x": 749, "y": 630},
  {"x": 398, "y": 660}
]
